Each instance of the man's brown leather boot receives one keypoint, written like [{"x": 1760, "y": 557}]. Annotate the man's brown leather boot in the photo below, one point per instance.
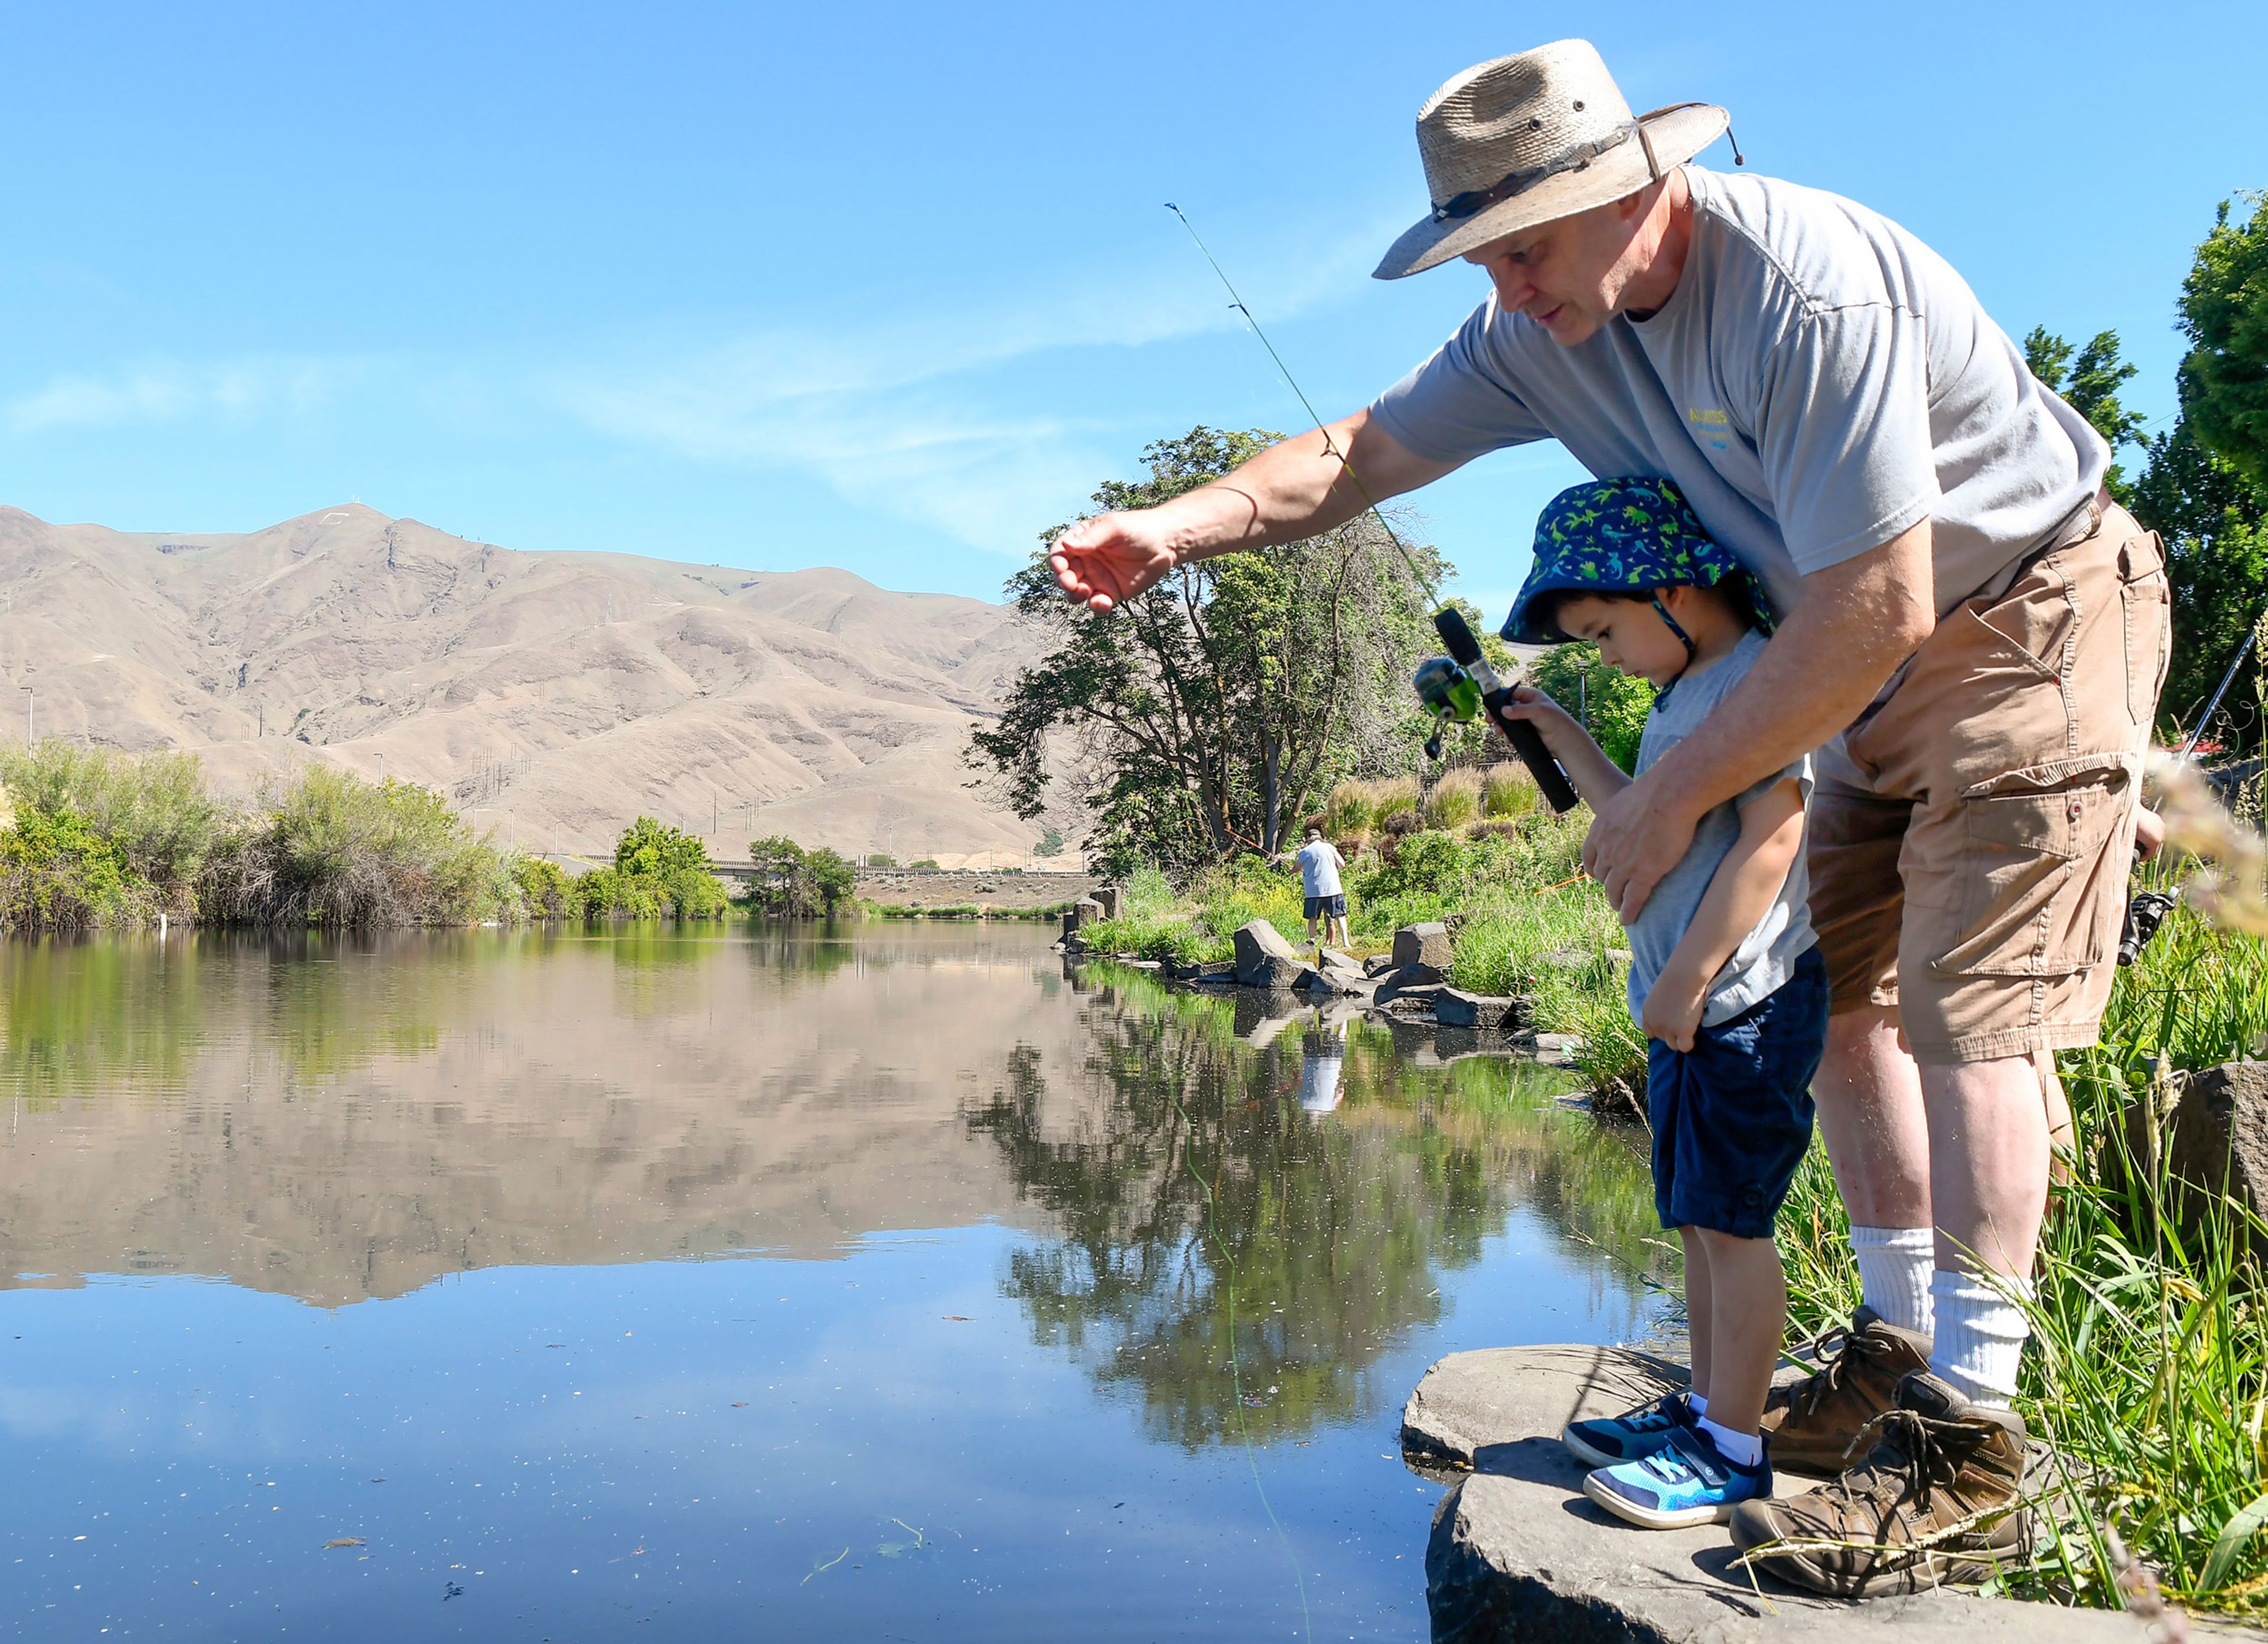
[
  {"x": 1814, "y": 1423},
  {"x": 1935, "y": 1501}
]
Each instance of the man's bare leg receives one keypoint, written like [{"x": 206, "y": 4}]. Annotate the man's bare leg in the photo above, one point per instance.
[
  {"x": 1872, "y": 1118},
  {"x": 1988, "y": 1130}
]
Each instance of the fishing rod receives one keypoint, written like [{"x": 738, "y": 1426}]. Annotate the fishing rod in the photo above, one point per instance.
[
  {"x": 1460, "y": 686},
  {"x": 2148, "y": 909}
]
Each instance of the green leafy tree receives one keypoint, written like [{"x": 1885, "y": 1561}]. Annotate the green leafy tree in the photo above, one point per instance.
[
  {"x": 1051, "y": 843},
  {"x": 2089, "y": 385},
  {"x": 792, "y": 883},
  {"x": 58, "y": 873},
  {"x": 657, "y": 868},
  {"x": 544, "y": 891},
  {"x": 2224, "y": 377},
  {"x": 152, "y": 808},
  {"x": 1209, "y": 713},
  {"x": 2215, "y": 523},
  {"x": 1611, "y": 703}
]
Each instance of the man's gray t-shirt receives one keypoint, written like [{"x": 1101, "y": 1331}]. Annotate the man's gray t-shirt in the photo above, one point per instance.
[
  {"x": 1819, "y": 382},
  {"x": 1767, "y": 954}
]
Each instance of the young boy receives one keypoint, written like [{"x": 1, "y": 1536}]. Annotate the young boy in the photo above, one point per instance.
[{"x": 1724, "y": 979}]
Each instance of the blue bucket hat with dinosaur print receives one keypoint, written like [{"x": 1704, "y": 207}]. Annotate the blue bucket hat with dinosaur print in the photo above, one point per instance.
[{"x": 1624, "y": 536}]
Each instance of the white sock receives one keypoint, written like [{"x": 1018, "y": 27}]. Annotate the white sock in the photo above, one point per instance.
[
  {"x": 1742, "y": 1449},
  {"x": 1980, "y": 1335},
  {"x": 1895, "y": 1264}
]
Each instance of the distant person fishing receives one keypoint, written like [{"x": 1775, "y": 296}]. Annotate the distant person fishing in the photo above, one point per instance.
[{"x": 1970, "y": 640}]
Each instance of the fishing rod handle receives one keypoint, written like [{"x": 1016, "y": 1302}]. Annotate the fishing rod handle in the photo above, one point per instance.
[{"x": 1527, "y": 742}]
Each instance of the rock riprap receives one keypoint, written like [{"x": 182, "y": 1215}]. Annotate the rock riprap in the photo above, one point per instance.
[
  {"x": 1518, "y": 1552},
  {"x": 1265, "y": 959},
  {"x": 1422, "y": 944}
]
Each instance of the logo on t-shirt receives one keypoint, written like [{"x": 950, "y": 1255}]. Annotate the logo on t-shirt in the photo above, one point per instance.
[{"x": 1711, "y": 427}]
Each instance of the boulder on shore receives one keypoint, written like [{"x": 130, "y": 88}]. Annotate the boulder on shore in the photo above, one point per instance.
[
  {"x": 1420, "y": 980},
  {"x": 1265, "y": 959},
  {"x": 2211, "y": 1131},
  {"x": 1455, "y": 1008},
  {"x": 1085, "y": 910},
  {"x": 1108, "y": 897},
  {"x": 1422, "y": 944}
]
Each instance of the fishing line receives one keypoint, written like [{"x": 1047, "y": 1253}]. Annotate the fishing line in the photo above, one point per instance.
[
  {"x": 1330, "y": 446},
  {"x": 1437, "y": 689},
  {"x": 1235, "y": 1366}
]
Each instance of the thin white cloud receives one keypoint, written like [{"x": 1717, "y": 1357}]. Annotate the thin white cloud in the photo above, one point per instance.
[
  {"x": 167, "y": 391},
  {"x": 898, "y": 416},
  {"x": 924, "y": 412}
]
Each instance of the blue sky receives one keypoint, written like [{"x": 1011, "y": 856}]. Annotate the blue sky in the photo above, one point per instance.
[{"x": 892, "y": 288}]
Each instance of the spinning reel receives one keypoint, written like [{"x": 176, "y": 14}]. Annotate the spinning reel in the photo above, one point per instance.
[{"x": 1462, "y": 686}]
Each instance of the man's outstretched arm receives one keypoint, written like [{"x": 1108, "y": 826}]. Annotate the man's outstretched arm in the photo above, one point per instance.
[
  {"x": 1295, "y": 488},
  {"x": 1858, "y": 621}
]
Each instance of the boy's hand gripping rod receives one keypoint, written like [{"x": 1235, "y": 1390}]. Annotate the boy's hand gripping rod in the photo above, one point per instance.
[
  {"x": 1526, "y": 740},
  {"x": 1448, "y": 621}
]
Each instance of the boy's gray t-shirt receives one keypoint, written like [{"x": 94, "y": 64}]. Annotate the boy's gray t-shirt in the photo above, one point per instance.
[
  {"x": 1819, "y": 381},
  {"x": 1768, "y": 954}
]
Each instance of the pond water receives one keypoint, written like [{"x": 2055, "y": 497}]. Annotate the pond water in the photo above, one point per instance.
[{"x": 779, "y": 1283}]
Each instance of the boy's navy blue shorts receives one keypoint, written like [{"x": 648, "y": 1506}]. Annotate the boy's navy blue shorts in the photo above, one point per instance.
[{"x": 1732, "y": 1117}]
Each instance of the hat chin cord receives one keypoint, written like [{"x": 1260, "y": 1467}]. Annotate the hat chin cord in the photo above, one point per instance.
[{"x": 1684, "y": 639}]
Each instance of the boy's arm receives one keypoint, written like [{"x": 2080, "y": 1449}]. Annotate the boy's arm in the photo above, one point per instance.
[
  {"x": 1596, "y": 777},
  {"x": 1740, "y": 892}
]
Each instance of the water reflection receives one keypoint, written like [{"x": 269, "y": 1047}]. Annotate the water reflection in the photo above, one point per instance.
[
  {"x": 1012, "y": 1252},
  {"x": 1221, "y": 1240},
  {"x": 1324, "y": 1067},
  {"x": 341, "y": 1119}
]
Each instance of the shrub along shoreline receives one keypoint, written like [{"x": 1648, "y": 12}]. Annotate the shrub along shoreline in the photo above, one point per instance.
[{"x": 93, "y": 839}]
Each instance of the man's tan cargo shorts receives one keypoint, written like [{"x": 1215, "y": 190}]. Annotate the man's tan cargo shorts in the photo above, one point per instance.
[{"x": 1971, "y": 834}]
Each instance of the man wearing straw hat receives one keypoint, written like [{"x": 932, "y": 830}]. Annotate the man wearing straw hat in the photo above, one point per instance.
[{"x": 1971, "y": 633}]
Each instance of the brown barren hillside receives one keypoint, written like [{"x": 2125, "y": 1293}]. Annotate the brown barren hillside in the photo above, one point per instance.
[{"x": 562, "y": 694}]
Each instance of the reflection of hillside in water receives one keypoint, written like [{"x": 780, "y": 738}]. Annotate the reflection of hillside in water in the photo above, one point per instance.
[
  {"x": 1339, "y": 1226},
  {"x": 339, "y": 1119}
]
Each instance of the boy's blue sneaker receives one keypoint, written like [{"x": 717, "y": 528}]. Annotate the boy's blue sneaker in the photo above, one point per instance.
[
  {"x": 1630, "y": 1436},
  {"x": 1685, "y": 1482}
]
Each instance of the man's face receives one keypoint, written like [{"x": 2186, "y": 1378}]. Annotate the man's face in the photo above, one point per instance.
[{"x": 1568, "y": 276}]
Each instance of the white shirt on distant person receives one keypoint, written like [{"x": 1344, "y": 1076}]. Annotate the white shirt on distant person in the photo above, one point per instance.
[{"x": 1319, "y": 866}]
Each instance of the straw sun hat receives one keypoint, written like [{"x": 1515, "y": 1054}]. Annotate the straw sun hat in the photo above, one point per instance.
[{"x": 1533, "y": 137}]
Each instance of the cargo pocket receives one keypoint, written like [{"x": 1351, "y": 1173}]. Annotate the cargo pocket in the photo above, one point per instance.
[
  {"x": 2144, "y": 600},
  {"x": 2030, "y": 897}
]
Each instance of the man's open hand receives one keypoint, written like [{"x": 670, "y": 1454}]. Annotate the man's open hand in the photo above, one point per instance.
[
  {"x": 1635, "y": 840},
  {"x": 1106, "y": 561}
]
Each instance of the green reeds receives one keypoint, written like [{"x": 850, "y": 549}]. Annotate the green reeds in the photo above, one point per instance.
[
  {"x": 1454, "y": 801},
  {"x": 1508, "y": 790},
  {"x": 1351, "y": 811}
]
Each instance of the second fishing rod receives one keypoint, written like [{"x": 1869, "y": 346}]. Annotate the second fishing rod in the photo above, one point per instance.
[{"x": 1457, "y": 687}]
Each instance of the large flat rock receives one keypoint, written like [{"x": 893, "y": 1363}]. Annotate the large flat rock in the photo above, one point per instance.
[{"x": 1519, "y": 1552}]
